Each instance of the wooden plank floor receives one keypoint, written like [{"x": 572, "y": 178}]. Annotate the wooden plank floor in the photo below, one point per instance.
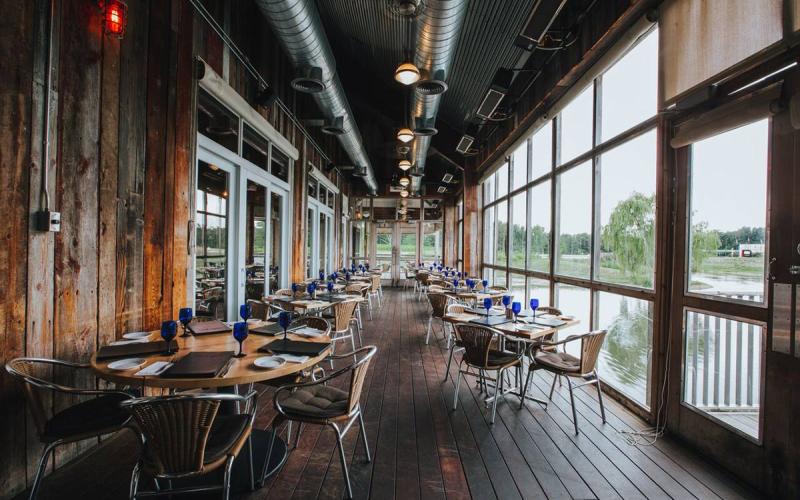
[{"x": 423, "y": 449}]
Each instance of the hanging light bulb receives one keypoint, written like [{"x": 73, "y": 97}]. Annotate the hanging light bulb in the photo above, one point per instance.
[
  {"x": 405, "y": 135},
  {"x": 404, "y": 165},
  {"x": 404, "y": 181},
  {"x": 406, "y": 73},
  {"x": 404, "y": 193}
]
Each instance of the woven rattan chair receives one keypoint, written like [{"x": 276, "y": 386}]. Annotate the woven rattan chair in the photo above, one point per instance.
[
  {"x": 359, "y": 289},
  {"x": 453, "y": 341},
  {"x": 342, "y": 328},
  {"x": 183, "y": 436},
  {"x": 481, "y": 353},
  {"x": 438, "y": 303},
  {"x": 99, "y": 413},
  {"x": 320, "y": 403},
  {"x": 260, "y": 309},
  {"x": 374, "y": 290},
  {"x": 566, "y": 365},
  {"x": 422, "y": 283}
]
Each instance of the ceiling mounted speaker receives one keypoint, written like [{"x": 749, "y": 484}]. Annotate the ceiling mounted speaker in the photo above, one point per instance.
[
  {"x": 310, "y": 81},
  {"x": 335, "y": 128},
  {"x": 464, "y": 144},
  {"x": 424, "y": 127},
  {"x": 266, "y": 97}
]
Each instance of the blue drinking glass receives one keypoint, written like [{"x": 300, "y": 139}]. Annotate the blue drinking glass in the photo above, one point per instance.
[
  {"x": 347, "y": 276},
  {"x": 485, "y": 284},
  {"x": 506, "y": 300},
  {"x": 516, "y": 307},
  {"x": 294, "y": 288},
  {"x": 487, "y": 304},
  {"x": 284, "y": 320},
  {"x": 534, "y": 306},
  {"x": 245, "y": 311},
  {"x": 322, "y": 275},
  {"x": 366, "y": 265},
  {"x": 311, "y": 288},
  {"x": 185, "y": 317},
  {"x": 455, "y": 283},
  {"x": 240, "y": 333},
  {"x": 330, "y": 287},
  {"x": 168, "y": 331}
]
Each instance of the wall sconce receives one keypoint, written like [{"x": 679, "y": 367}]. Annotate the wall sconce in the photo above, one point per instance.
[{"x": 115, "y": 17}]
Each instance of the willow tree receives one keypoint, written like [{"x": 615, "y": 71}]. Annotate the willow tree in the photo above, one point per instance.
[{"x": 629, "y": 235}]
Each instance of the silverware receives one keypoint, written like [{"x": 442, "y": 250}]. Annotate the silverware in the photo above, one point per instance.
[{"x": 227, "y": 367}]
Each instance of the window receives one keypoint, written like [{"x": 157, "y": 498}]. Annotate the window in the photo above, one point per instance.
[
  {"x": 726, "y": 231},
  {"x": 722, "y": 369},
  {"x": 575, "y": 301},
  {"x": 211, "y": 241},
  {"x": 627, "y": 212},
  {"x": 432, "y": 241},
  {"x": 574, "y": 221},
  {"x": 501, "y": 235},
  {"x": 255, "y": 148},
  {"x": 502, "y": 181},
  {"x": 460, "y": 239},
  {"x": 625, "y": 357},
  {"x": 538, "y": 289},
  {"x": 542, "y": 154},
  {"x": 629, "y": 89},
  {"x": 280, "y": 165},
  {"x": 517, "y": 236},
  {"x": 216, "y": 122},
  {"x": 489, "y": 190},
  {"x": 539, "y": 228},
  {"x": 517, "y": 287},
  {"x": 575, "y": 123},
  {"x": 519, "y": 166}
]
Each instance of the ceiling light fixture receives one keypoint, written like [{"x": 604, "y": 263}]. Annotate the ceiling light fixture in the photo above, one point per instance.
[
  {"x": 404, "y": 181},
  {"x": 405, "y": 135},
  {"x": 406, "y": 73},
  {"x": 404, "y": 193},
  {"x": 404, "y": 165}
]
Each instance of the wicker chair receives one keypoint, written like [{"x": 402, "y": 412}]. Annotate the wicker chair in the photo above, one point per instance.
[
  {"x": 342, "y": 328},
  {"x": 85, "y": 420},
  {"x": 260, "y": 309},
  {"x": 374, "y": 291},
  {"x": 479, "y": 344},
  {"x": 359, "y": 289},
  {"x": 422, "y": 283},
  {"x": 409, "y": 278},
  {"x": 453, "y": 342},
  {"x": 564, "y": 364},
  {"x": 321, "y": 404},
  {"x": 184, "y": 436},
  {"x": 438, "y": 303}
]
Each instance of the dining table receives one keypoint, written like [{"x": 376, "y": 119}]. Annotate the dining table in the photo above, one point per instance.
[{"x": 238, "y": 377}]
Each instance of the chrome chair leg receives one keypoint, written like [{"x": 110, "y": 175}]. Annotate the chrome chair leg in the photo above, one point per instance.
[
  {"x": 364, "y": 435},
  {"x": 525, "y": 388},
  {"x": 134, "y": 487},
  {"x": 553, "y": 387},
  {"x": 226, "y": 482},
  {"x": 498, "y": 393},
  {"x": 37, "y": 481},
  {"x": 458, "y": 385},
  {"x": 449, "y": 362},
  {"x": 343, "y": 459},
  {"x": 250, "y": 463},
  {"x": 572, "y": 401},
  {"x": 428, "y": 330},
  {"x": 600, "y": 397}
]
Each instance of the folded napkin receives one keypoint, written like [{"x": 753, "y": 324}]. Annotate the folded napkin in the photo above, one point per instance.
[
  {"x": 309, "y": 332},
  {"x": 292, "y": 358},
  {"x": 126, "y": 342},
  {"x": 153, "y": 369}
]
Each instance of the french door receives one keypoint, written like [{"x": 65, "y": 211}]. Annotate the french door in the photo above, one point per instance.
[
  {"x": 395, "y": 244},
  {"x": 242, "y": 217}
]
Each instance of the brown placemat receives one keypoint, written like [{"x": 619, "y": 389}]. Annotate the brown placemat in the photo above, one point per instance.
[
  {"x": 206, "y": 327},
  {"x": 134, "y": 349},
  {"x": 199, "y": 365}
]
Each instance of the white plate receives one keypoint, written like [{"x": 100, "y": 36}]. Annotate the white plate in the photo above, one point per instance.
[
  {"x": 127, "y": 364},
  {"x": 567, "y": 318},
  {"x": 269, "y": 362},
  {"x": 126, "y": 342},
  {"x": 136, "y": 335}
]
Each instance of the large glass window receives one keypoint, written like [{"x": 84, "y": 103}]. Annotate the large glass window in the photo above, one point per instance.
[
  {"x": 489, "y": 229},
  {"x": 574, "y": 221},
  {"x": 539, "y": 229},
  {"x": 502, "y": 181},
  {"x": 538, "y": 289},
  {"x": 728, "y": 214},
  {"x": 575, "y": 123},
  {"x": 432, "y": 241},
  {"x": 542, "y": 150},
  {"x": 574, "y": 301},
  {"x": 628, "y": 212},
  {"x": 501, "y": 235},
  {"x": 517, "y": 235},
  {"x": 256, "y": 241},
  {"x": 519, "y": 166},
  {"x": 211, "y": 241}
]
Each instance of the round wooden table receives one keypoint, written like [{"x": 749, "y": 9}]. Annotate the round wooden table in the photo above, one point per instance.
[{"x": 242, "y": 371}]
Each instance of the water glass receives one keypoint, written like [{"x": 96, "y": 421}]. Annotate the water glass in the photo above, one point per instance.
[{"x": 240, "y": 333}]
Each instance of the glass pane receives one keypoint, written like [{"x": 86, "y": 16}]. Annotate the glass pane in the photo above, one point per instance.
[
  {"x": 432, "y": 241},
  {"x": 359, "y": 241},
  {"x": 408, "y": 245},
  {"x": 488, "y": 274},
  {"x": 309, "y": 242},
  {"x": 323, "y": 243},
  {"x": 576, "y": 125},
  {"x": 519, "y": 166},
  {"x": 517, "y": 288},
  {"x": 276, "y": 240},
  {"x": 728, "y": 207},
  {"x": 488, "y": 190},
  {"x": 216, "y": 122},
  {"x": 256, "y": 241},
  {"x": 280, "y": 165},
  {"x": 489, "y": 235},
  {"x": 501, "y": 233},
  {"x": 574, "y": 218},
  {"x": 331, "y": 199},
  {"x": 460, "y": 240},
  {"x": 383, "y": 247},
  {"x": 502, "y": 180},
  {"x": 722, "y": 369},
  {"x": 518, "y": 223},
  {"x": 211, "y": 245},
  {"x": 628, "y": 212},
  {"x": 574, "y": 301},
  {"x": 539, "y": 231},
  {"x": 538, "y": 289},
  {"x": 542, "y": 144},
  {"x": 498, "y": 278},
  {"x": 629, "y": 89},
  {"x": 255, "y": 148},
  {"x": 312, "y": 189},
  {"x": 625, "y": 358}
]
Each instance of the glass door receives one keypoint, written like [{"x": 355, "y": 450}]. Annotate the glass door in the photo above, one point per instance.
[
  {"x": 408, "y": 246},
  {"x": 384, "y": 248}
]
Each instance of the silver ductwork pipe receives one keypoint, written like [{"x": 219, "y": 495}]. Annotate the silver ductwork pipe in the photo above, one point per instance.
[
  {"x": 296, "y": 23},
  {"x": 438, "y": 29}
]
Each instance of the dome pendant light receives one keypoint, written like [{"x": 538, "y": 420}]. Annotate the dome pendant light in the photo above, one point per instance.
[
  {"x": 404, "y": 193},
  {"x": 405, "y": 134},
  {"x": 404, "y": 181},
  {"x": 406, "y": 73},
  {"x": 404, "y": 165}
]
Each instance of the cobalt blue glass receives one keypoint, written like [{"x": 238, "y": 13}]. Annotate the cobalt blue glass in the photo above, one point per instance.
[
  {"x": 516, "y": 307},
  {"x": 168, "y": 331},
  {"x": 487, "y": 304},
  {"x": 322, "y": 275},
  {"x": 185, "y": 317},
  {"x": 485, "y": 283},
  {"x": 455, "y": 283},
  {"x": 311, "y": 289},
  {"x": 284, "y": 320},
  {"x": 294, "y": 288},
  {"x": 330, "y": 286},
  {"x": 366, "y": 265},
  {"x": 245, "y": 311},
  {"x": 240, "y": 333},
  {"x": 347, "y": 276},
  {"x": 534, "y": 305},
  {"x": 506, "y": 300}
]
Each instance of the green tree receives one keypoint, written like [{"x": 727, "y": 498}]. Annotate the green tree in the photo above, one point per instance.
[
  {"x": 705, "y": 243},
  {"x": 629, "y": 234}
]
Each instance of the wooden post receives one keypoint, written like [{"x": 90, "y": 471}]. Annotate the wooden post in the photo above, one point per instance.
[{"x": 472, "y": 222}]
